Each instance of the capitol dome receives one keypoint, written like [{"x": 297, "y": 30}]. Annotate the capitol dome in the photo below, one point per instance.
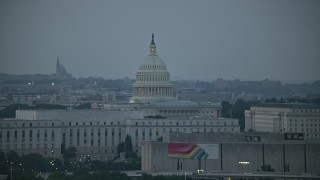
[
  {"x": 152, "y": 79},
  {"x": 153, "y": 62}
]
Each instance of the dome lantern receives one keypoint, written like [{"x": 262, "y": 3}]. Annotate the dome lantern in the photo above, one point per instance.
[{"x": 152, "y": 46}]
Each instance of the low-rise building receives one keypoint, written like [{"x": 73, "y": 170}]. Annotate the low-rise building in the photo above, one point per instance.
[
  {"x": 231, "y": 153},
  {"x": 284, "y": 118},
  {"x": 95, "y": 132}
]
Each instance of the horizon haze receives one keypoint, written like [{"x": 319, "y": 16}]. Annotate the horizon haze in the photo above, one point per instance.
[{"x": 198, "y": 40}]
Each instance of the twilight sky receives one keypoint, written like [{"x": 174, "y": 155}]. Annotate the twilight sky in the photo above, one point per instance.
[{"x": 198, "y": 40}]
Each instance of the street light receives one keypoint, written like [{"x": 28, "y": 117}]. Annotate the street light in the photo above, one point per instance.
[{"x": 11, "y": 170}]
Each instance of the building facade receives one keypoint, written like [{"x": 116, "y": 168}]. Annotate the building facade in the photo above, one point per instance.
[
  {"x": 95, "y": 132},
  {"x": 284, "y": 118},
  {"x": 243, "y": 152}
]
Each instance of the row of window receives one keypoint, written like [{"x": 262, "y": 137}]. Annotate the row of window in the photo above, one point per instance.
[
  {"x": 306, "y": 110},
  {"x": 303, "y": 130},
  {"x": 185, "y": 130},
  {"x": 136, "y": 123},
  {"x": 28, "y": 124},
  {"x": 23, "y": 133},
  {"x": 139, "y": 78},
  {"x": 311, "y": 125},
  {"x": 204, "y": 123},
  {"x": 180, "y": 111}
]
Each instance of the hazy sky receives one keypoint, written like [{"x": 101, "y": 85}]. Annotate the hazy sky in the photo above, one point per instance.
[{"x": 198, "y": 39}]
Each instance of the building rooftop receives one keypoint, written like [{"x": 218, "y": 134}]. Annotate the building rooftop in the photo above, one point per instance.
[
  {"x": 288, "y": 105},
  {"x": 179, "y": 104}
]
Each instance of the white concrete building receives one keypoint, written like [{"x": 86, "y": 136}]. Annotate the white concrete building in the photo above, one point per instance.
[
  {"x": 95, "y": 132},
  {"x": 284, "y": 118}
]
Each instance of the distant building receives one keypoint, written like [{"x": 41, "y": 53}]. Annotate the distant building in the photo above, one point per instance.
[
  {"x": 284, "y": 118},
  {"x": 152, "y": 79},
  {"x": 95, "y": 132},
  {"x": 231, "y": 153},
  {"x": 221, "y": 84},
  {"x": 61, "y": 72}
]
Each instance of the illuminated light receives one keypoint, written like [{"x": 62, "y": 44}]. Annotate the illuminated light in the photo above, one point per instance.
[{"x": 244, "y": 162}]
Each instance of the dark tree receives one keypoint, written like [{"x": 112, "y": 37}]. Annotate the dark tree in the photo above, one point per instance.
[
  {"x": 69, "y": 154},
  {"x": 226, "y": 109},
  {"x": 121, "y": 147},
  {"x": 10, "y": 111},
  {"x": 13, "y": 156},
  {"x": 49, "y": 106},
  {"x": 84, "y": 106},
  {"x": 128, "y": 144}
]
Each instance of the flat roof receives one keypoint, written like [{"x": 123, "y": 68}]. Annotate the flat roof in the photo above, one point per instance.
[
  {"x": 289, "y": 105},
  {"x": 179, "y": 104}
]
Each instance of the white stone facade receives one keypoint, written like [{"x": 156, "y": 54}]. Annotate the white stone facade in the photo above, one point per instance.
[
  {"x": 95, "y": 132},
  {"x": 285, "y": 118}
]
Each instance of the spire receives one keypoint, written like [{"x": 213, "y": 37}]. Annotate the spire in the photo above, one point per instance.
[
  {"x": 57, "y": 65},
  {"x": 152, "y": 41},
  {"x": 152, "y": 46}
]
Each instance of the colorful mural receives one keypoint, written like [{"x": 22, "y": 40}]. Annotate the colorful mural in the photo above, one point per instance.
[{"x": 193, "y": 151}]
